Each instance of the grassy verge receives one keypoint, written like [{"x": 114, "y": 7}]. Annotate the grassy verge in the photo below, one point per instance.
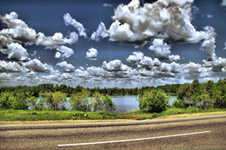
[{"x": 30, "y": 115}]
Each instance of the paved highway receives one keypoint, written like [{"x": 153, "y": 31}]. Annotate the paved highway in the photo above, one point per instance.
[{"x": 191, "y": 133}]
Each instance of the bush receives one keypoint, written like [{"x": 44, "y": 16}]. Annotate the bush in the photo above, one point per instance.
[{"x": 154, "y": 101}]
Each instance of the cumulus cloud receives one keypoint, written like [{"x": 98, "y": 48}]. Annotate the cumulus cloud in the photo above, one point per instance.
[
  {"x": 51, "y": 42},
  {"x": 64, "y": 52},
  {"x": 17, "y": 52},
  {"x": 149, "y": 63},
  {"x": 135, "y": 57},
  {"x": 9, "y": 67},
  {"x": 208, "y": 44},
  {"x": 37, "y": 66},
  {"x": 114, "y": 65},
  {"x": 77, "y": 25},
  {"x": 101, "y": 32},
  {"x": 164, "y": 19},
  {"x": 65, "y": 66},
  {"x": 17, "y": 29},
  {"x": 223, "y": 3},
  {"x": 162, "y": 50},
  {"x": 168, "y": 19},
  {"x": 91, "y": 53},
  {"x": 217, "y": 64}
]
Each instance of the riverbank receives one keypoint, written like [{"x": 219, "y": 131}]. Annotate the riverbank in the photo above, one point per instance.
[{"x": 30, "y": 115}]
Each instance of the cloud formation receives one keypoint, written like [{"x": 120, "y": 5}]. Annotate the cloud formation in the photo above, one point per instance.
[
  {"x": 51, "y": 42},
  {"x": 17, "y": 52},
  {"x": 9, "y": 67},
  {"x": 64, "y": 52},
  {"x": 92, "y": 54},
  {"x": 223, "y": 3},
  {"x": 168, "y": 19},
  {"x": 101, "y": 32},
  {"x": 114, "y": 65},
  {"x": 66, "y": 67},
  {"x": 162, "y": 50},
  {"x": 77, "y": 25},
  {"x": 37, "y": 66}
]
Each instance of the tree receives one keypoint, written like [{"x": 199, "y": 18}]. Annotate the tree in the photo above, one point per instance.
[
  {"x": 108, "y": 104},
  {"x": 81, "y": 101},
  {"x": 179, "y": 103},
  {"x": 59, "y": 99},
  {"x": 32, "y": 102},
  {"x": 4, "y": 100},
  {"x": 97, "y": 102},
  {"x": 184, "y": 94},
  {"x": 55, "y": 100},
  {"x": 196, "y": 92},
  {"x": 154, "y": 101}
]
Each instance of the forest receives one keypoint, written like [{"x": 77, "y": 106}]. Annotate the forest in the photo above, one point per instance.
[{"x": 153, "y": 99}]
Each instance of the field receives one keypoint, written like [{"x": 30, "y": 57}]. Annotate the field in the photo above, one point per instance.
[{"x": 31, "y": 115}]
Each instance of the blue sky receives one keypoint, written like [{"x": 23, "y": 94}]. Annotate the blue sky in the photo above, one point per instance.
[{"x": 47, "y": 17}]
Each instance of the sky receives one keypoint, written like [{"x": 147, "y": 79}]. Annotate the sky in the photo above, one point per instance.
[{"x": 111, "y": 43}]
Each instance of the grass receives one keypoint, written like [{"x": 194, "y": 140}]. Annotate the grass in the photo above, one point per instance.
[{"x": 31, "y": 115}]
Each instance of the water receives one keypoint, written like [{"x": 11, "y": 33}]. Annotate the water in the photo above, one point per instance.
[{"x": 125, "y": 103}]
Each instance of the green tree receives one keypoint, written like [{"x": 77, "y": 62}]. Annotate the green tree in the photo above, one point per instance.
[
  {"x": 107, "y": 104},
  {"x": 58, "y": 100},
  {"x": 196, "y": 92},
  {"x": 81, "y": 101},
  {"x": 97, "y": 102},
  {"x": 185, "y": 93},
  {"x": 4, "y": 100},
  {"x": 179, "y": 103},
  {"x": 32, "y": 102},
  {"x": 154, "y": 101}
]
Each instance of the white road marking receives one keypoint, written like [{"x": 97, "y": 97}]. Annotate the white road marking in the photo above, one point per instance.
[{"x": 132, "y": 140}]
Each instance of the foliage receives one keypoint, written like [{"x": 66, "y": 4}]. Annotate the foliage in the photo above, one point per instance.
[
  {"x": 81, "y": 101},
  {"x": 154, "y": 101}
]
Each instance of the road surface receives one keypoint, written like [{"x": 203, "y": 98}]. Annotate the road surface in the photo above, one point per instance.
[{"x": 191, "y": 133}]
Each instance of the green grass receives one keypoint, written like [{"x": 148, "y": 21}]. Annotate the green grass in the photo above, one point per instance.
[{"x": 31, "y": 115}]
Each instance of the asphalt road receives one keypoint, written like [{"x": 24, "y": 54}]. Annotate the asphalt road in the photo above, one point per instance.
[{"x": 194, "y": 133}]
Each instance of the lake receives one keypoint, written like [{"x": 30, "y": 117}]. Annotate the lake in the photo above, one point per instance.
[
  {"x": 124, "y": 103},
  {"x": 129, "y": 103}
]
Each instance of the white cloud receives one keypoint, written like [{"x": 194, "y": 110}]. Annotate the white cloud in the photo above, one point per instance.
[
  {"x": 101, "y": 32},
  {"x": 9, "y": 67},
  {"x": 65, "y": 52},
  {"x": 223, "y": 3},
  {"x": 37, "y": 66},
  {"x": 114, "y": 65},
  {"x": 66, "y": 67},
  {"x": 164, "y": 19},
  {"x": 135, "y": 57},
  {"x": 17, "y": 51},
  {"x": 51, "y": 42},
  {"x": 208, "y": 44},
  {"x": 78, "y": 26},
  {"x": 148, "y": 62},
  {"x": 217, "y": 65},
  {"x": 57, "y": 55},
  {"x": 17, "y": 29},
  {"x": 91, "y": 53},
  {"x": 162, "y": 50}
]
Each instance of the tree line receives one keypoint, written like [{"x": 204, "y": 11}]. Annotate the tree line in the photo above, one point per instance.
[
  {"x": 206, "y": 95},
  {"x": 80, "y": 101},
  {"x": 153, "y": 99}
]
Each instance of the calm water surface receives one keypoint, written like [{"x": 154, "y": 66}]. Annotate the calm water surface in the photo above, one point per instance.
[{"x": 125, "y": 103}]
